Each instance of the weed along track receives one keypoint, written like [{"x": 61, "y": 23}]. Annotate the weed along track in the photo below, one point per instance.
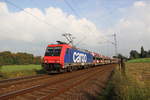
[{"x": 68, "y": 86}]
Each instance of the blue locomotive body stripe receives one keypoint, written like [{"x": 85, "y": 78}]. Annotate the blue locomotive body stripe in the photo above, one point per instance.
[{"x": 77, "y": 56}]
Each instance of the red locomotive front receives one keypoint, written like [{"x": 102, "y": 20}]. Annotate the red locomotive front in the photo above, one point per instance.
[{"x": 54, "y": 57}]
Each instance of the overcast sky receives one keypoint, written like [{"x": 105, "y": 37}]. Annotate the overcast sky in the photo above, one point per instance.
[{"x": 92, "y": 22}]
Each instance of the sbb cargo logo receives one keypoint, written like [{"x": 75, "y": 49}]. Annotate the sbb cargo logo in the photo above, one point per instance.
[{"x": 79, "y": 57}]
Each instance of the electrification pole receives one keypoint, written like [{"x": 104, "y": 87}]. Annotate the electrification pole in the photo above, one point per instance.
[{"x": 115, "y": 43}]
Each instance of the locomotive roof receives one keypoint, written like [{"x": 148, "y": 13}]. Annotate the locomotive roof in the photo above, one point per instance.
[
  {"x": 59, "y": 45},
  {"x": 69, "y": 46}
]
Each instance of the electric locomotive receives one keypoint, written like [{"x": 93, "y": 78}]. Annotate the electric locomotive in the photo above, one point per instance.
[{"x": 63, "y": 57}]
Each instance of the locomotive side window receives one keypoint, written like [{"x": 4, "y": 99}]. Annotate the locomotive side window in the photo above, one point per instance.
[{"x": 53, "y": 51}]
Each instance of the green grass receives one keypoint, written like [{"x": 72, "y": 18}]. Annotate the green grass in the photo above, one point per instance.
[
  {"x": 140, "y": 60},
  {"x": 14, "y": 68},
  {"x": 12, "y": 71},
  {"x": 134, "y": 85}
]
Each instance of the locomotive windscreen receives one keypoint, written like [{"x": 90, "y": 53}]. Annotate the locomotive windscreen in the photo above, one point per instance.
[{"x": 53, "y": 51}]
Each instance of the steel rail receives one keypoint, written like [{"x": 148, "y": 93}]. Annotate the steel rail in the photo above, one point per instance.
[
  {"x": 19, "y": 78},
  {"x": 15, "y": 81}
]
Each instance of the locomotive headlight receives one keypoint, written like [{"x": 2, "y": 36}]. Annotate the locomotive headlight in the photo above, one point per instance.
[
  {"x": 57, "y": 61},
  {"x": 46, "y": 61}
]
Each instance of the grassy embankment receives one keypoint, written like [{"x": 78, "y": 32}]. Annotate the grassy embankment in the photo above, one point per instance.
[
  {"x": 11, "y": 71},
  {"x": 134, "y": 85}
]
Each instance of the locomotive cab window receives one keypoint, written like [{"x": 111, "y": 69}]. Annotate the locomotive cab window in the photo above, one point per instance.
[
  {"x": 94, "y": 58},
  {"x": 53, "y": 51}
]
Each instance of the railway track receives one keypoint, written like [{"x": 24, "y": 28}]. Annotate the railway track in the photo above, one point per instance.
[
  {"x": 19, "y": 78},
  {"x": 54, "y": 86},
  {"x": 12, "y": 81}
]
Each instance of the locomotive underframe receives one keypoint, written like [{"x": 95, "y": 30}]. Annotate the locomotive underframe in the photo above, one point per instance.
[{"x": 49, "y": 67}]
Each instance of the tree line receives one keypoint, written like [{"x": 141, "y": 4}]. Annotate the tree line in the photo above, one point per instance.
[
  {"x": 143, "y": 54},
  {"x": 20, "y": 58}
]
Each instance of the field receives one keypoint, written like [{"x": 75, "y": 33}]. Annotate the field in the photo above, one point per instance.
[
  {"x": 140, "y": 60},
  {"x": 133, "y": 85},
  {"x": 11, "y": 71},
  {"x": 13, "y": 68}
]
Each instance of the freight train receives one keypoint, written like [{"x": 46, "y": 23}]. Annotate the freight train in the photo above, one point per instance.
[{"x": 63, "y": 57}]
